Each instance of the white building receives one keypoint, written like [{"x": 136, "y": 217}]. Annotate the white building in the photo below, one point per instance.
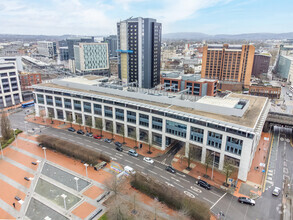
[
  {"x": 9, "y": 85},
  {"x": 229, "y": 127},
  {"x": 47, "y": 49}
]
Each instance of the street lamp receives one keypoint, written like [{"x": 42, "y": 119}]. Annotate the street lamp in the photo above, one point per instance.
[
  {"x": 213, "y": 165},
  {"x": 86, "y": 165},
  {"x": 76, "y": 179},
  {"x": 45, "y": 152},
  {"x": 64, "y": 197}
]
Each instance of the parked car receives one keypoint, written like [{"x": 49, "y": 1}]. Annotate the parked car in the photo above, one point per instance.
[
  {"x": 276, "y": 191},
  {"x": 80, "y": 132},
  {"x": 100, "y": 165},
  {"x": 119, "y": 148},
  {"x": 204, "y": 184},
  {"x": 107, "y": 140},
  {"x": 246, "y": 200},
  {"x": 129, "y": 170},
  {"x": 97, "y": 137},
  {"x": 148, "y": 160},
  {"x": 133, "y": 153},
  {"x": 89, "y": 134},
  {"x": 71, "y": 129},
  {"x": 170, "y": 169},
  {"x": 118, "y": 144}
]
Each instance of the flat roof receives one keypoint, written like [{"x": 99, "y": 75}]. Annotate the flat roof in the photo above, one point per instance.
[
  {"x": 249, "y": 119},
  {"x": 217, "y": 101}
]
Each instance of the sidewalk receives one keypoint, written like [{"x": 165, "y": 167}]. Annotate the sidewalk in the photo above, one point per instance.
[{"x": 129, "y": 142}]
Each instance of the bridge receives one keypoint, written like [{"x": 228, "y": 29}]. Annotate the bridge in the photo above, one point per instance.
[{"x": 279, "y": 119}]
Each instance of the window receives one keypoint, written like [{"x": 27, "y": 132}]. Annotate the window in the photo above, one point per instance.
[
  {"x": 157, "y": 123},
  {"x": 175, "y": 128},
  {"x": 67, "y": 103},
  {"x": 214, "y": 139},
  {"x": 77, "y": 105},
  {"x": 87, "y": 107},
  {"x": 58, "y": 101},
  {"x": 144, "y": 120},
  {"x": 119, "y": 113},
  {"x": 131, "y": 117},
  {"x": 108, "y": 111}
]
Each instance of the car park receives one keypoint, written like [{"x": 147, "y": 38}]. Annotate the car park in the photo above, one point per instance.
[
  {"x": 148, "y": 160},
  {"x": 204, "y": 184},
  {"x": 276, "y": 191},
  {"x": 118, "y": 144},
  {"x": 246, "y": 200},
  {"x": 71, "y": 129},
  {"x": 97, "y": 136},
  {"x": 133, "y": 153},
  {"x": 170, "y": 169},
  {"x": 107, "y": 140},
  {"x": 80, "y": 132}
]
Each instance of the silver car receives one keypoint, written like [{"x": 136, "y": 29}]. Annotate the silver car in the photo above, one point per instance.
[{"x": 276, "y": 191}]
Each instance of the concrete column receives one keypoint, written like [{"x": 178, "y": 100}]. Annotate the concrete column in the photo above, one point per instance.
[
  {"x": 222, "y": 155},
  {"x": 93, "y": 115},
  {"x": 37, "y": 110},
  {"x": 114, "y": 121},
  {"x": 103, "y": 117},
  {"x": 125, "y": 123},
  {"x": 150, "y": 135},
  {"x": 186, "y": 149},
  {"x": 204, "y": 150},
  {"x": 163, "y": 134},
  {"x": 137, "y": 127}
]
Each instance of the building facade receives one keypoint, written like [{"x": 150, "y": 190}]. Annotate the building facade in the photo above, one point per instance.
[
  {"x": 90, "y": 57},
  {"x": 64, "y": 54},
  {"x": 261, "y": 64},
  {"x": 112, "y": 45},
  {"x": 228, "y": 63},
  {"x": 272, "y": 92},
  {"x": 139, "y": 51},
  {"x": 29, "y": 79},
  {"x": 229, "y": 127},
  {"x": 47, "y": 49},
  {"x": 9, "y": 85},
  {"x": 191, "y": 83},
  {"x": 285, "y": 68}
]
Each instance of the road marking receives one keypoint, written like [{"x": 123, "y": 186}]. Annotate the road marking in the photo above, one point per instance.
[
  {"x": 159, "y": 168},
  {"x": 169, "y": 184},
  {"x": 153, "y": 172},
  {"x": 192, "y": 192},
  {"x": 128, "y": 161},
  {"x": 189, "y": 194},
  {"x": 207, "y": 200},
  {"x": 113, "y": 158},
  {"x": 175, "y": 179},
  {"x": 218, "y": 201},
  {"x": 108, "y": 153},
  {"x": 195, "y": 189},
  {"x": 121, "y": 155},
  {"x": 178, "y": 184},
  {"x": 79, "y": 143},
  {"x": 185, "y": 180},
  {"x": 140, "y": 166},
  {"x": 215, "y": 193},
  {"x": 165, "y": 178},
  {"x": 88, "y": 140},
  {"x": 181, "y": 174}
]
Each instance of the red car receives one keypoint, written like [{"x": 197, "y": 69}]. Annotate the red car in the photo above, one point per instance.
[{"x": 97, "y": 136}]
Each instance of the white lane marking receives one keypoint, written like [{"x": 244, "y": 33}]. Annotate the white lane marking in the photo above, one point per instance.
[
  {"x": 108, "y": 153},
  {"x": 195, "y": 189},
  {"x": 159, "y": 168},
  {"x": 88, "y": 140},
  {"x": 140, "y": 166},
  {"x": 185, "y": 180},
  {"x": 218, "y": 201},
  {"x": 128, "y": 161},
  {"x": 121, "y": 155},
  {"x": 79, "y": 143},
  {"x": 79, "y": 138},
  {"x": 181, "y": 174},
  {"x": 135, "y": 158},
  {"x": 208, "y": 200},
  {"x": 215, "y": 193},
  {"x": 189, "y": 194},
  {"x": 113, "y": 158},
  {"x": 169, "y": 184},
  {"x": 153, "y": 172},
  {"x": 192, "y": 192},
  {"x": 165, "y": 178},
  {"x": 175, "y": 179},
  {"x": 178, "y": 184}
]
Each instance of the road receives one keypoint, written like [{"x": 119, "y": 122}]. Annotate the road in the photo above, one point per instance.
[{"x": 216, "y": 199}]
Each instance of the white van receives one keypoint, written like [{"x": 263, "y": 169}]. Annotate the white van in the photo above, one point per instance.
[{"x": 129, "y": 170}]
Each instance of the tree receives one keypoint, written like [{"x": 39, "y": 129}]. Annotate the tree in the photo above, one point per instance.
[
  {"x": 79, "y": 121},
  {"x": 208, "y": 161},
  {"x": 51, "y": 116},
  {"x": 70, "y": 119},
  {"x": 134, "y": 136},
  {"x": 99, "y": 125},
  {"x": 122, "y": 132},
  {"x": 5, "y": 126},
  {"x": 149, "y": 140},
  {"x": 114, "y": 186},
  {"x": 42, "y": 114},
  {"x": 189, "y": 158},
  {"x": 89, "y": 123},
  {"x": 111, "y": 129},
  {"x": 228, "y": 169}
]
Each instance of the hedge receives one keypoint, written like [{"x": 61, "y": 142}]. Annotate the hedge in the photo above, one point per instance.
[
  {"x": 73, "y": 150},
  {"x": 9, "y": 141}
]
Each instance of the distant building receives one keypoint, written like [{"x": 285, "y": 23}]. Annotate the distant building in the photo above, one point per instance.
[
  {"x": 9, "y": 85},
  {"x": 112, "y": 45},
  {"x": 62, "y": 43},
  {"x": 91, "y": 57},
  {"x": 177, "y": 82},
  {"x": 139, "y": 51},
  {"x": 285, "y": 68},
  {"x": 261, "y": 64},
  {"x": 47, "y": 49},
  {"x": 272, "y": 92},
  {"x": 64, "y": 55},
  {"x": 29, "y": 79},
  {"x": 114, "y": 66},
  {"x": 228, "y": 63}
]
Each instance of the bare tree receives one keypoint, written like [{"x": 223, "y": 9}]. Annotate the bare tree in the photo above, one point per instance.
[
  {"x": 118, "y": 210},
  {"x": 111, "y": 129},
  {"x": 5, "y": 126},
  {"x": 228, "y": 169},
  {"x": 134, "y": 136},
  {"x": 51, "y": 116},
  {"x": 208, "y": 161},
  {"x": 149, "y": 140},
  {"x": 89, "y": 123},
  {"x": 70, "y": 119},
  {"x": 114, "y": 186},
  {"x": 79, "y": 121},
  {"x": 99, "y": 125},
  {"x": 42, "y": 114},
  {"x": 122, "y": 131}
]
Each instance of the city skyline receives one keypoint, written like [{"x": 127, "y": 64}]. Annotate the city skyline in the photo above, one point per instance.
[{"x": 89, "y": 17}]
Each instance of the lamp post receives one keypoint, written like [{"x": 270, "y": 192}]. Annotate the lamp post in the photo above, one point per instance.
[
  {"x": 213, "y": 165},
  {"x": 64, "y": 197},
  {"x": 45, "y": 152},
  {"x": 76, "y": 180},
  {"x": 86, "y": 165}
]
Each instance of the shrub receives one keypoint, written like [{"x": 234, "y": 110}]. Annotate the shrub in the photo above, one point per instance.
[
  {"x": 171, "y": 197},
  {"x": 73, "y": 150}
]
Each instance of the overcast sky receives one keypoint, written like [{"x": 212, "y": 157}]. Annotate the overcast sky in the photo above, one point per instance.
[{"x": 99, "y": 17}]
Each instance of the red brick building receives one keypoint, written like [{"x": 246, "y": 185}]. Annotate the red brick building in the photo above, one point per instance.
[
  {"x": 29, "y": 79},
  {"x": 272, "y": 92}
]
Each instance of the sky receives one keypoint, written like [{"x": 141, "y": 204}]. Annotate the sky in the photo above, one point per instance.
[{"x": 99, "y": 17}]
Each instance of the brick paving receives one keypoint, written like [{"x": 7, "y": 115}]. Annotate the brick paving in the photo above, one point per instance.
[
  {"x": 93, "y": 192},
  {"x": 84, "y": 210}
]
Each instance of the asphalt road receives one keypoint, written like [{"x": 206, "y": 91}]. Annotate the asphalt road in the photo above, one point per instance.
[{"x": 216, "y": 199}]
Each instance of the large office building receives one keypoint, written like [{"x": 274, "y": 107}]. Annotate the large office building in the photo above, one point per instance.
[
  {"x": 64, "y": 55},
  {"x": 10, "y": 93},
  {"x": 91, "y": 57},
  {"x": 229, "y": 127},
  {"x": 261, "y": 64},
  {"x": 285, "y": 68},
  {"x": 47, "y": 49},
  {"x": 112, "y": 45},
  {"x": 139, "y": 51},
  {"x": 228, "y": 62}
]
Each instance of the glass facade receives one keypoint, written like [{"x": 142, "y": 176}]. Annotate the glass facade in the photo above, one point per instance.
[
  {"x": 234, "y": 145},
  {"x": 119, "y": 113},
  {"x": 58, "y": 101},
  {"x": 214, "y": 139},
  {"x": 143, "y": 120},
  {"x": 49, "y": 100},
  {"x": 176, "y": 128},
  {"x": 67, "y": 103},
  {"x": 157, "y": 123},
  {"x": 108, "y": 111},
  {"x": 131, "y": 117},
  {"x": 97, "y": 109},
  {"x": 77, "y": 105},
  {"x": 87, "y": 107},
  {"x": 40, "y": 98},
  {"x": 196, "y": 134}
]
